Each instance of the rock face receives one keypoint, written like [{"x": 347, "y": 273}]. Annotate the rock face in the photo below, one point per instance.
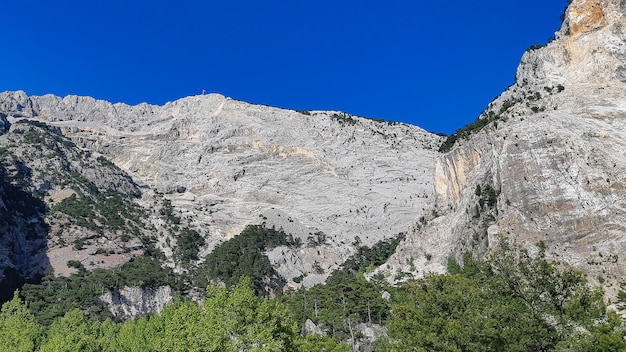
[
  {"x": 551, "y": 167},
  {"x": 133, "y": 301},
  {"x": 56, "y": 206},
  {"x": 225, "y": 164}
]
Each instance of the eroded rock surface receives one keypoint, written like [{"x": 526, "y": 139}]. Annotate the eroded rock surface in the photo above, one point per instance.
[
  {"x": 225, "y": 164},
  {"x": 555, "y": 159}
]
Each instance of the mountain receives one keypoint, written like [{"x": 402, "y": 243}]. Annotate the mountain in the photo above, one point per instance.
[
  {"x": 61, "y": 204},
  {"x": 332, "y": 180},
  {"x": 545, "y": 164},
  {"x": 88, "y": 184}
]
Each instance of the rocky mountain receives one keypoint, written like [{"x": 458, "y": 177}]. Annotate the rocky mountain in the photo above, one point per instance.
[
  {"x": 545, "y": 164},
  {"x": 61, "y": 205},
  {"x": 332, "y": 180}
]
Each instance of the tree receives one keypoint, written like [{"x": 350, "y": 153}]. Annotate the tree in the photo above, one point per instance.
[
  {"x": 513, "y": 301},
  {"x": 71, "y": 333},
  {"x": 243, "y": 255},
  {"x": 242, "y": 321},
  {"x": 18, "y": 329},
  {"x": 227, "y": 321},
  {"x": 316, "y": 343}
]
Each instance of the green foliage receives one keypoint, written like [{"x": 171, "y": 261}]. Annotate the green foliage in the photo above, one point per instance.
[
  {"x": 344, "y": 301},
  {"x": 18, "y": 329},
  {"x": 57, "y": 295},
  {"x": 226, "y": 321},
  {"x": 536, "y": 46},
  {"x": 111, "y": 209},
  {"x": 106, "y": 162},
  {"x": 78, "y": 208},
  {"x": 383, "y": 121},
  {"x": 167, "y": 212},
  {"x": 317, "y": 343},
  {"x": 344, "y": 119},
  {"x": 40, "y": 133},
  {"x": 188, "y": 245},
  {"x": 367, "y": 257},
  {"x": 71, "y": 333},
  {"x": 347, "y": 298},
  {"x": 75, "y": 264},
  {"x": 469, "y": 129},
  {"x": 512, "y": 302},
  {"x": 243, "y": 255},
  {"x": 488, "y": 196}
]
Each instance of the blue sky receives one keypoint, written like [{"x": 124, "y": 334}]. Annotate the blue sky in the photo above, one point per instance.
[{"x": 435, "y": 64}]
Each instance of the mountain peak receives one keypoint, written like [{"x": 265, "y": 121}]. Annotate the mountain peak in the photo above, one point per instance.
[
  {"x": 544, "y": 164},
  {"x": 585, "y": 16},
  {"x": 589, "y": 48}
]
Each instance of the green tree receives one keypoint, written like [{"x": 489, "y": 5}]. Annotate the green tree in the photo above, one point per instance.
[
  {"x": 511, "y": 302},
  {"x": 242, "y": 321},
  {"x": 605, "y": 336},
  {"x": 243, "y": 255},
  {"x": 234, "y": 320},
  {"x": 139, "y": 335},
  {"x": 454, "y": 313},
  {"x": 316, "y": 343},
  {"x": 18, "y": 329},
  {"x": 71, "y": 333}
]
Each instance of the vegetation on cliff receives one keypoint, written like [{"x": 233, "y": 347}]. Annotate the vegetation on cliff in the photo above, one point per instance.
[{"x": 513, "y": 301}]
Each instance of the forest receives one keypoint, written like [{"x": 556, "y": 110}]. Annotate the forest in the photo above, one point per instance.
[{"x": 509, "y": 301}]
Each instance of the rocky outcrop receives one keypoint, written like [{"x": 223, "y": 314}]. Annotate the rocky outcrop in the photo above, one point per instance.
[
  {"x": 129, "y": 302},
  {"x": 553, "y": 162},
  {"x": 585, "y": 16},
  {"x": 61, "y": 204}
]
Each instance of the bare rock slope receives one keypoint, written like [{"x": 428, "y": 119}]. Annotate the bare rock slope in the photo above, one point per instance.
[
  {"x": 551, "y": 165},
  {"x": 225, "y": 164},
  {"x": 545, "y": 164}
]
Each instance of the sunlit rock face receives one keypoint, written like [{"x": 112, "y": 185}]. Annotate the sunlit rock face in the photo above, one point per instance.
[
  {"x": 550, "y": 168},
  {"x": 225, "y": 164},
  {"x": 555, "y": 157}
]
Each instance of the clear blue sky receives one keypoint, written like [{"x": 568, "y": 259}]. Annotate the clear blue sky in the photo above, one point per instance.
[{"x": 435, "y": 64}]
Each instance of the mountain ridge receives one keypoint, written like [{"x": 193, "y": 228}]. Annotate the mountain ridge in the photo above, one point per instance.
[
  {"x": 225, "y": 164},
  {"x": 544, "y": 159},
  {"x": 551, "y": 148}
]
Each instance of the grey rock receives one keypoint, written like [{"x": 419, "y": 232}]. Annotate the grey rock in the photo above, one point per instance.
[
  {"x": 225, "y": 164},
  {"x": 311, "y": 328},
  {"x": 129, "y": 302},
  {"x": 556, "y": 156}
]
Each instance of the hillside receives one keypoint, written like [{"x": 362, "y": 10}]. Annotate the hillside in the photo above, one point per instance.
[
  {"x": 225, "y": 164},
  {"x": 545, "y": 162},
  {"x": 361, "y": 228}
]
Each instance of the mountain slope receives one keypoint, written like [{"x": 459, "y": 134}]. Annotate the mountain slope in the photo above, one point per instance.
[
  {"x": 63, "y": 209},
  {"x": 225, "y": 164},
  {"x": 549, "y": 167}
]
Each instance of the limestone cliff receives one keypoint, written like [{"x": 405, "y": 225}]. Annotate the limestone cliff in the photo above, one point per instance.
[
  {"x": 225, "y": 164},
  {"x": 546, "y": 164},
  {"x": 552, "y": 165}
]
